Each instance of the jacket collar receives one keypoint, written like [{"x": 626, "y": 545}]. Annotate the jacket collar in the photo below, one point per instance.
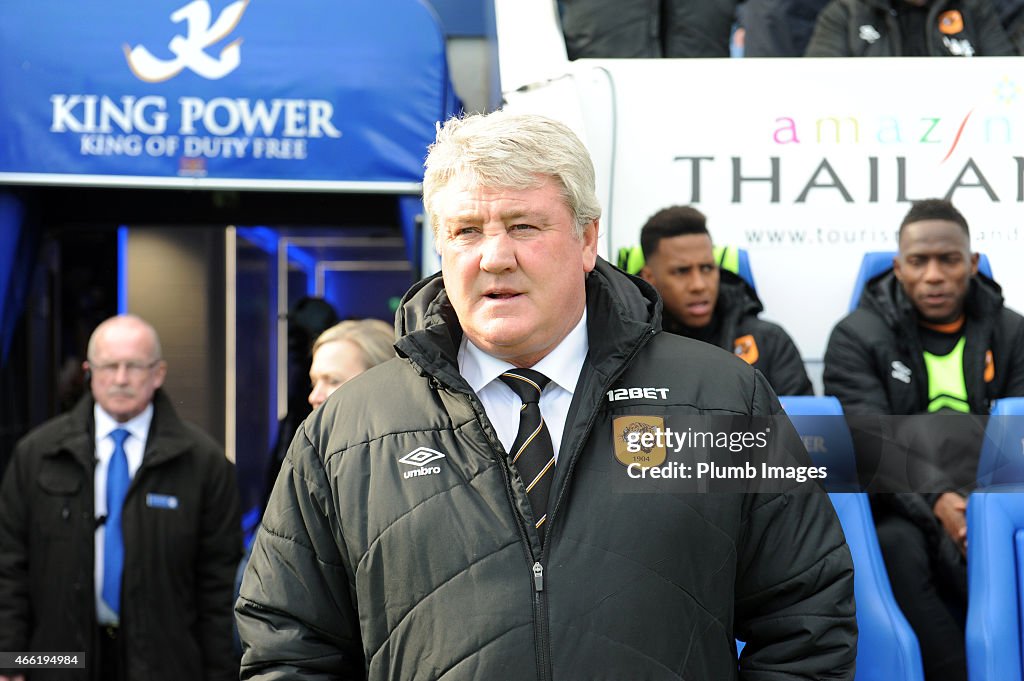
[
  {"x": 79, "y": 438},
  {"x": 167, "y": 439},
  {"x": 622, "y": 310},
  {"x": 885, "y": 296}
]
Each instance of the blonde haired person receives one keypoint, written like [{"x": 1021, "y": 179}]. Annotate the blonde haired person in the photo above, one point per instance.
[
  {"x": 340, "y": 353},
  {"x": 346, "y": 350}
]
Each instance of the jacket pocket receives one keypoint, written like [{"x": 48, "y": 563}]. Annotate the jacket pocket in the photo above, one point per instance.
[{"x": 61, "y": 487}]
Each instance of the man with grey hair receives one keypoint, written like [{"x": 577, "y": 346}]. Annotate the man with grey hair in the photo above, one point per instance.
[
  {"x": 120, "y": 530},
  {"x": 470, "y": 510}
]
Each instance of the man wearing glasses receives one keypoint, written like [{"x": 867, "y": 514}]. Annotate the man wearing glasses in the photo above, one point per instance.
[{"x": 119, "y": 529}]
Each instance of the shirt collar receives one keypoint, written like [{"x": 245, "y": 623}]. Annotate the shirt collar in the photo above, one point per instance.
[
  {"x": 562, "y": 365},
  {"x": 137, "y": 427}
]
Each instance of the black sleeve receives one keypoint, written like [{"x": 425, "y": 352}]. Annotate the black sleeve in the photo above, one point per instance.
[
  {"x": 1014, "y": 384},
  {"x": 831, "y": 33},
  {"x": 220, "y": 549},
  {"x": 992, "y": 37},
  {"x": 850, "y": 373},
  {"x": 15, "y": 611},
  {"x": 1015, "y": 29},
  {"x": 767, "y": 29},
  {"x": 608, "y": 28},
  {"x": 794, "y": 607},
  {"x": 296, "y": 613},
  {"x": 783, "y": 366}
]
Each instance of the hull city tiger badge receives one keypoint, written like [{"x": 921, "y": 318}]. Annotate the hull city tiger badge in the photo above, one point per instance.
[
  {"x": 745, "y": 347},
  {"x": 629, "y": 429}
]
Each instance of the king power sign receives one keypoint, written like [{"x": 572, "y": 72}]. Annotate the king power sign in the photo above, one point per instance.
[
  {"x": 206, "y": 128},
  {"x": 201, "y": 91},
  {"x": 219, "y": 127}
]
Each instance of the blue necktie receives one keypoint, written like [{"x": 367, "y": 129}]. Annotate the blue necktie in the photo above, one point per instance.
[{"x": 118, "y": 480}]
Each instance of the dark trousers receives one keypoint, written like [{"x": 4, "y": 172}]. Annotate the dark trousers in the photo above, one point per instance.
[
  {"x": 110, "y": 652},
  {"x": 931, "y": 606}
]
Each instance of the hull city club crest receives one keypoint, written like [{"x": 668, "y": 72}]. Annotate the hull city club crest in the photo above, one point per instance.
[{"x": 630, "y": 429}]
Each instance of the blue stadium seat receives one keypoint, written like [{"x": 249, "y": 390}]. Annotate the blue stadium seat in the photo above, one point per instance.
[
  {"x": 1001, "y": 461},
  {"x": 822, "y": 427},
  {"x": 876, "y": 262},
  {"x": 887, "y": 647},
  {"x": 737, "y": 261},
  {"x": 995, "y": 575},
  {"x": 995, "y": 550}
]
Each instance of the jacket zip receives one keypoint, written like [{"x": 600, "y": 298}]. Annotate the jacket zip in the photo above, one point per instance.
[
  {"x": 540, "y": 616},
  {"x": 540, "y": 629},
  {"x": 541, "y": 634}
]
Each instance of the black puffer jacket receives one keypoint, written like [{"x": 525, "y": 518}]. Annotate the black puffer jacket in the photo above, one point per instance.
[
  {"x": 763, "y": 344},
  {"x": 874, "y": 365},
  {"x": 647, "y": 28},
  {"x": 871, "y": 28},
  {"x": 370, "y": 567},
  {"x": 778, "y": 28},
  {"x": 868, "y": 349},
  {"x": 1011, "y": 16}
]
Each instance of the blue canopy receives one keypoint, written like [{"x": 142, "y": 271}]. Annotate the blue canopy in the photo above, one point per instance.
[{"x": 269, "y": 94}]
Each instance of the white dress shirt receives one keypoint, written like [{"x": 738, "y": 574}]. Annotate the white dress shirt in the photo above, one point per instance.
[
  {"x": 562, "y": 365},
  {"x": 134, "y": 447}
]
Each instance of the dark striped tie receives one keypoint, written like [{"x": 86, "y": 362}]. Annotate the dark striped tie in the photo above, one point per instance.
[{"x": 532, "y": 453}]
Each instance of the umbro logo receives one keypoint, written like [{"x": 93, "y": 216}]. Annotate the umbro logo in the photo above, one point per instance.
[
  {"x": 900, "y": 371},
  {"x": 419, "y": 458},
  {"x": 869, "y": 34},
  {"x": 958, "y": 47}
]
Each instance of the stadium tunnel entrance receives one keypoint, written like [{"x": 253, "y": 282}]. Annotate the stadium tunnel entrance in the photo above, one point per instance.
[{"x": 220, "y": 274}]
